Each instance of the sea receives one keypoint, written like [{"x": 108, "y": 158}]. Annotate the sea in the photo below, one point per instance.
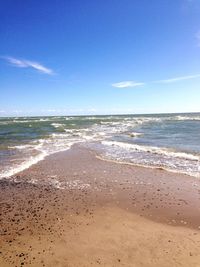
[{"x": 168, "y": 141}]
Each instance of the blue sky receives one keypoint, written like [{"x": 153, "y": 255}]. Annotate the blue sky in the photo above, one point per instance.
[{"x": 99, "y": 57}]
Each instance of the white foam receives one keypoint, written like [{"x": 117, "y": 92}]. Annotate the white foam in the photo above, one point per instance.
[
  {"x": 154, "y": 150},
  {"x": 44, "y": 147},
  {"x": 74, "y": 184},
  {"x": 23, "y": 166},
  {"x": 21, "y": 147},
  {"x": 98, "y": 131},
  {"x": 24, "y": 121},
  {"x": 42, "y": 120},
  {"x": 184, "y": 118},
  {"x": 58, "y": 125}
]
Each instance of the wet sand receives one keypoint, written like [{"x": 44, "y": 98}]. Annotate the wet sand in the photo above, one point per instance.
[{"x": 74, "y": 209}]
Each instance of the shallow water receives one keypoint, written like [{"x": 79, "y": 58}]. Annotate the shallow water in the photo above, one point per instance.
[{"x": 171, "y": 141}]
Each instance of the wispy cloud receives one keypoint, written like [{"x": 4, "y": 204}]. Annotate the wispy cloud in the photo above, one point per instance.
[
  {"x": 126, "y": 84},
  {"x": 177, "y": 79},
  {"x": 23, "y": 63}
]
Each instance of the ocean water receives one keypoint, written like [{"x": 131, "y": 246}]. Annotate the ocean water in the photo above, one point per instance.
[{"x": 170, "y": 141}]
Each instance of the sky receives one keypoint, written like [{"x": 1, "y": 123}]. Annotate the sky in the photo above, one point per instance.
[{"x": 74, "y": 57}]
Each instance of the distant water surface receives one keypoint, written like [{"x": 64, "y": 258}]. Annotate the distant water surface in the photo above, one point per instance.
[{"x": 171, "y": 141}]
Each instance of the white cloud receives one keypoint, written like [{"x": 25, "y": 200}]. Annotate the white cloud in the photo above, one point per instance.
[
  {"x": 126, "y": 84},
  {"x": 176, "y": 79},
  {"x": 23, "y": 63}
]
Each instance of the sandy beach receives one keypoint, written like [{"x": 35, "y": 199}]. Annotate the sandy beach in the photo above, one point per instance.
[
  {"x": 100, "y": 133},
  {"x": 75, "y": 209}
]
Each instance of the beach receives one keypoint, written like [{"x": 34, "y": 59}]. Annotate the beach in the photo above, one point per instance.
[
  {"x": 75, "y": 208},
  {"x": 100, "y": 133}
]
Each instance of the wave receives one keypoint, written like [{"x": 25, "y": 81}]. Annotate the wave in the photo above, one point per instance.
[
  {"x": 186, "y": 118},
  {"x": 22, "y": 121},
  {"x": 153, "y": 157},
  {"x": 44, "y": 149},
  {"x": 153, "y": 150},
  {"x": 142, "y": 120},
  {"x": 27, "y": 146},
  {"x": 61, "y": 133},
  {"x": 23, "y": 166},
  {"x": 57, "y": 125}
]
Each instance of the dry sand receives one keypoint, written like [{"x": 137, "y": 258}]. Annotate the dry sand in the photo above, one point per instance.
[{"x": 74, "y": 209}]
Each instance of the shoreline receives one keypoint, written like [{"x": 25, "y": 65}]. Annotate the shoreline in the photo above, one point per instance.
[
  {"x": 43, "y": 156},
  {"x": 148, "y": 167},
  {"x": 72, "y": 195}
]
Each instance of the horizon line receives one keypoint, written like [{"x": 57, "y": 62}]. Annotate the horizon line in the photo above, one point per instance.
[{"x": 109, "y": 114}]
